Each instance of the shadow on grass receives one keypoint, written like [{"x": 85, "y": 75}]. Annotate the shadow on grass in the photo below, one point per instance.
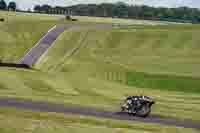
[{"x": 12, "y": 65}]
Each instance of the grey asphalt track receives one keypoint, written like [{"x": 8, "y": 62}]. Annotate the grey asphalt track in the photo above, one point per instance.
[
  {"x": 59, "y": 108},
  {"x": 43, "y": 45}
]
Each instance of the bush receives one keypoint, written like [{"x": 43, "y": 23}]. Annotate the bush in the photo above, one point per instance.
[
  {"x": 2, "y": 19},
  {"x": 70, "y": 18}
]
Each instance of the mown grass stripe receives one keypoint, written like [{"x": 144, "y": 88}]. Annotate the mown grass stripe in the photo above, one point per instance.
[{"x": 163, "y": 82}]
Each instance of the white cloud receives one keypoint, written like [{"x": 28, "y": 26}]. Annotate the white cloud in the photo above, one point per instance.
[{"x": 25, "y": 4}]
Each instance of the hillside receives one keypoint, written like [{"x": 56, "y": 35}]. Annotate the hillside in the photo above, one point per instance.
[
  {"x": 20, "y": 32},
  {"x": 25, "y": 121},
  {"x": 153, "y": 49},
  {"x": 159, "y": 61},
  {"x": 99, "y": 68}
]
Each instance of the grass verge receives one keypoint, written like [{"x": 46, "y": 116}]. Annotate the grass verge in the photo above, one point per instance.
[{"x": 15, "y": 121}]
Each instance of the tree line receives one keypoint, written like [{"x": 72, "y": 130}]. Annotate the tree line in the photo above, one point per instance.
[
  {"x": 10, "y": 6},
  {"x": 122, "y": 10},
  {"x": 117, "y": 10}
]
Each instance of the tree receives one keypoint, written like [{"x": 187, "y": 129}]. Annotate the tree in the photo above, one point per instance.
[
  {"x": 12, "y": 6},
  {"x": 45, "y": 8},
  {"x": 37, "y": 8},
  {"x": 3, "y": 5},
  {"x": 123, "y": 10}
]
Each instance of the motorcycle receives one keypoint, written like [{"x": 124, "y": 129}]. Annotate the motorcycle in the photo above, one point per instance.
[{"x": 138, "y": 105}]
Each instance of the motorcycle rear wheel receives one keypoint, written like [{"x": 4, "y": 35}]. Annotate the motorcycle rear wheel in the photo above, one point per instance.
[{"x": 144, "y": 111}]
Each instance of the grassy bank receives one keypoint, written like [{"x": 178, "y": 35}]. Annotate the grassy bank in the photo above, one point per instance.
[
  {"x": 159, "y": 61},
  {"x": 20, "y": 32},
  {"x": 89, "y": 67},
  {"x": 15, "y": 121},
  {"x": 74, "y": 89},
  {"x": 163, "y": 82},
  {"x": 170, "y": 50}
]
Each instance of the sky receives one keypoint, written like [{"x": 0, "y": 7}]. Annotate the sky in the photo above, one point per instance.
[{"x": 29, "y": 4}]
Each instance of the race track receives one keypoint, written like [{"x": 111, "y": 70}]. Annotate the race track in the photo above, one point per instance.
[
  {"x": 59, "y": 108},
  {"x": 43, "y": 45}
]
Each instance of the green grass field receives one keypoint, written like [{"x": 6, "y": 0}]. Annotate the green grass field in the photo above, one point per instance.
[
  {"x": 20, "y": 32},
  {"x": 158, "y": 61},
  {"x": 73, "y": 89},
  {"x": 15, "y": 121},
  {"x": 159, "y": 49}
]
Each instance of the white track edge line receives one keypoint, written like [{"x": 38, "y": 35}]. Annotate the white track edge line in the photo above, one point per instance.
[
  {"x": 37, "y": 43},
  {"x": 45, "y": 53}
]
